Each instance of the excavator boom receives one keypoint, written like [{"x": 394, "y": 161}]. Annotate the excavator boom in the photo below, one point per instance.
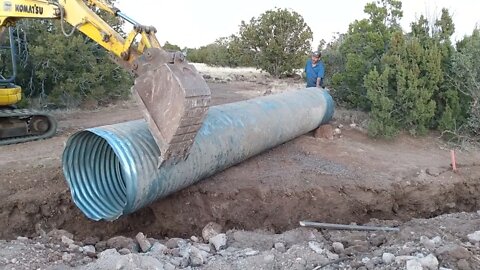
[{"x": 174, "y": 96}]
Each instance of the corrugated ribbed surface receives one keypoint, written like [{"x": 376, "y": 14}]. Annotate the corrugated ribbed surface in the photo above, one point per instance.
[
  {"x": 112, "y": 170},
  {"x": 96, "y": 179}
]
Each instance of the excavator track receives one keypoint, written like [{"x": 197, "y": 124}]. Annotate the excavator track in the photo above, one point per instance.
[{"x": 21, "y": 125}]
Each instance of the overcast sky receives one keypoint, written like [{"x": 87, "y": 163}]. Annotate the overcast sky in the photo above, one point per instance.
[{"x": 194, "y": 23}]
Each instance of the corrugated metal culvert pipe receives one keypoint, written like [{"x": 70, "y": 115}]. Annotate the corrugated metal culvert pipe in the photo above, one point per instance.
[{"x": 112, "y": 170}]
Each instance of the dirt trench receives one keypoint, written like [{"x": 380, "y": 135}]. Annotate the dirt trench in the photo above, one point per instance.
[
  {"x": 349, "y": 179},
  {"x": 272, "y": 191}
]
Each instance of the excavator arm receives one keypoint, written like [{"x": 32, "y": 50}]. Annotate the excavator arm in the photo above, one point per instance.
[{"x": 174, "y": 96}]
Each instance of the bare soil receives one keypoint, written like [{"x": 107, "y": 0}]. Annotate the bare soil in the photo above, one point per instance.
[{"x": 352, "y": 178}]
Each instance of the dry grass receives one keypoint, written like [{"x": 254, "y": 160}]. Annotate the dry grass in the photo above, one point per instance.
[
  {"x": 266, "y": 83},
  {"x": 225, "y": 73}
]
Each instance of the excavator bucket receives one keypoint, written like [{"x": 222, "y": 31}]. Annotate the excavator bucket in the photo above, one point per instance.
[{"x": 175, "y": 100}]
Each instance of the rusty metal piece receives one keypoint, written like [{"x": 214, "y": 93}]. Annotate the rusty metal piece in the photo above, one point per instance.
[
  {"x": 332, "y": 226},
  {"x": 175, "y": 98}
]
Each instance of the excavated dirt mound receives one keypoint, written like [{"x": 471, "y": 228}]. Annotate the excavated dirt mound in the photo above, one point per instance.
[{"x": 351, "y": 178}]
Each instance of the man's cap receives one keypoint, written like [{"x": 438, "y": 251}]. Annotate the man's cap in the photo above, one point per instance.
[{"x": 316, "y": 54}]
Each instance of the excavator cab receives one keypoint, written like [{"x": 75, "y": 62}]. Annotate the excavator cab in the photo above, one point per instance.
[
  {"x": 17, "y": 125},
  {"x": 10, "y": 94}
]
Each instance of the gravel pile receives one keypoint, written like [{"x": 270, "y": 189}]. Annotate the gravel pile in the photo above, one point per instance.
[{"x": 446, "y": 242}]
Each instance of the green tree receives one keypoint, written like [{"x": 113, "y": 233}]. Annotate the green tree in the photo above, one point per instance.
[
  {"x": 279, "y": 40},
  {"x": 220, "y": 53},
  {"x": 421, "y": 30},
  {"x": 238, "y": 54},
  {"x": 418, "y": 75},
  {"x": 171, "y": 47},
  {"x": 449, "y": 112},
  {"x": 465, "y": 78},
  {"x": 67, "y": 71},
  {"x": 214, "y": 54},
  {"x": 225, "y": 52},
  {"x": 363, "y": 47},
  {"x": 334, "y": 61},
  {"x": 437, "y": 36},
  {"x": 413, "y": 75},
  {"x": 383, "y": 122},
  {"x": 195, "y": 55}
]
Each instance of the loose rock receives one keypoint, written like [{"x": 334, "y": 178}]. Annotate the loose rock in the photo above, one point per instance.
[
  {"x": 251, "y": 252},
  {"x": 280, "y": 247},
  {"x": 219, "y": 241},
  {"x": 349, "y": 238},
  {"x": 401, "y": 259},
  {"x": 430, "y": 262},
  {"x": 463, "y": 265},
  {"x": 102, "y": 245},
  {"x": 175, "y": 243},
  {"x": 108, "y": 253},
  {"x": 433, "y": 172},
  {"x": 255, "y": 240},
  {"x": 331, "y": 255},
  {"x": 388, "y": 258},
  {"x": 67, "y": 257},
  {"x": 196, "y": 258},
  {"x": 158, "y": 248},
  {"x": 181, "y": 262},
  {"x": 120, "y": 242},
  {"x": 67, "y": 241},
  {"x": 130, "y": 261},
  {"x": 427, "y": 243},
  {"x": 22, "y": 239},
  {"x": 204, "y": 247},
  {"x": 317, "y": 247},
  {"x": 269, "y": 258},
  {"x": 356, "y": 249},
  {"x": 437, "y": 240},
  {"x": 125, "y": 251},
  {"x": 414, "y": 265},
  {"x": 454, "y": 251},
  {"x": 474, "y": 237},
  {"x": 210, "y": 230},
  {"x": 168, "y": 266},
  {"x": 73, "y": 248},
  {"x": 194, "y": 239},
  {"x": 338, "y": 247},
  {"x": 89, "y": 250},
  {"x": 325, "y": 132},
  {"x": 91, "y": 241},
  {"x": 143, "y": 242},
  {"x": 57, "y": 234},
  {"x": 378, "y": 240}
]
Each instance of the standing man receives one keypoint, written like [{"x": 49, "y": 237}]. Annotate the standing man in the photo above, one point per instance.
[{"x": 315, "y": 70}]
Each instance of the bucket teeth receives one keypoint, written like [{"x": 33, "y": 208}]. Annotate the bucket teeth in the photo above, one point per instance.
[{"x": 175, "y": 100}]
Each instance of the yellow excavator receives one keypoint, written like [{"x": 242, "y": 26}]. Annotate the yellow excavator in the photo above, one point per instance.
[
  {"x": 173, "y": 95},
  {"x": 16, "y": 125}
]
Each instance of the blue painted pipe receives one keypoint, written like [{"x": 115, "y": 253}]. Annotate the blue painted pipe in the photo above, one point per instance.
[{"x": 112, "y": 170}]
